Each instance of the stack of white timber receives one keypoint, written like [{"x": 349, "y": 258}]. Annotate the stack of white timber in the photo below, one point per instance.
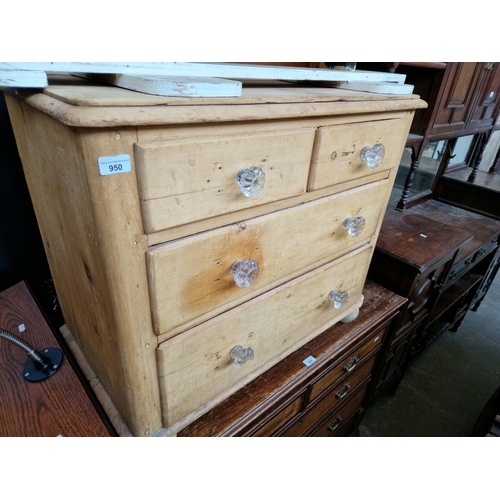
[{"x": 197, "y": 79}]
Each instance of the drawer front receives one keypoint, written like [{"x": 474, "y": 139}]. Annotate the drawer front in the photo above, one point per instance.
[
  {"x": 347, "y": 365},
  {"x": 341, "y": 395},
  {"x": 338, "y": 423},
  {"x": 284, "y": 244},
  {"x": 190, "y": 179},
  {"x": 337, "y": 155},
  {"x": 465, "y": 265},
  {"x": 279, "y": 420},
  {"x": 196, "y": 366}
]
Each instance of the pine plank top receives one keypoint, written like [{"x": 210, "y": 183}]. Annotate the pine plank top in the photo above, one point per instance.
[
  {"x": 78, "y": 102},
  {"x": 80, "y": 92}
]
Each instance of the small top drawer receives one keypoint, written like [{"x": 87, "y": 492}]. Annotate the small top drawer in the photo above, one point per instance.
[
  {"x": 352, "y": 151},
  {"x": 188, "y": 179},
  {"x": 471, "y": 260}
]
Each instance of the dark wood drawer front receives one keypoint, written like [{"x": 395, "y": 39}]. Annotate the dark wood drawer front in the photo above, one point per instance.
[
  {"x": 465, "y": 265},
  {"x": 339, "y": 396},
  {"x": 348, "y": 364},
  {"x": 280, "y": 419},
  {"x": 341, "y": 418}
]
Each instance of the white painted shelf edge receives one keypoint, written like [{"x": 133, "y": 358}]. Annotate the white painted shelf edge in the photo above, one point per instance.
[{"x": 194, "y": 79}]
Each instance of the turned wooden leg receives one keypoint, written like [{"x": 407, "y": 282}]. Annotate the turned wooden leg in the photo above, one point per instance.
[
  {"x": 481, "y": 146},
  {"x": 409, "y": 180},
  {"x": 496, "y": 163}
]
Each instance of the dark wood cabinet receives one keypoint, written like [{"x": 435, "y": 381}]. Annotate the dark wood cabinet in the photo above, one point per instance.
[
  {"x": 468, "y": 101},
  {"x": 457, "y": 97},
  {"x": 479, "y": 255},
  {"x": 463, "y": 100},
  {"x": 486, "y": 97},
  {"x": 317, "y": 391},
  {"x": 443, "y": 259}
]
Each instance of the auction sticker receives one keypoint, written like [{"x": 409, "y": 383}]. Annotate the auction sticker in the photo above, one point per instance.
[{"x": 119, "y": 164}]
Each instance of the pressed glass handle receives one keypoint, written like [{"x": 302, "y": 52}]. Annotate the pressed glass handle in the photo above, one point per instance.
[
  {"x": 373, "y": 156},
  {"x": 251, "y": 181},
  {"x": 354, "y": 226},
  {"x": 241, "y": 355},
  {"x": 245, "y": 272},
  {"x": 338, "y": 298}
]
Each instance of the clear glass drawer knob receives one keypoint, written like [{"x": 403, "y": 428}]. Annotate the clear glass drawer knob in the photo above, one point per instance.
[
  {"x": 245, "y": 272},
  {"x": 251, "y": 181},
  {"x": 373, "y": 156},
  {"x": 354, "y": 226},
  {"x": 241, "y": 355},
  {"x": 338, "y": 298}
]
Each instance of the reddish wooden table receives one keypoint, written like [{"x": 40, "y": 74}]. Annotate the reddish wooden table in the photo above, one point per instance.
[{"x": 59, "y": 405}]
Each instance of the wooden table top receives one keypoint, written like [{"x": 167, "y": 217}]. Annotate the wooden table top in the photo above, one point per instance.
[
  {"x": 57, "y": 406},
  {"x": 417, "y": 240}
]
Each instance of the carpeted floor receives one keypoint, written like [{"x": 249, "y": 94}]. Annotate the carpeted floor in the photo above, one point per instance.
[{"x": 445, "y": 390}]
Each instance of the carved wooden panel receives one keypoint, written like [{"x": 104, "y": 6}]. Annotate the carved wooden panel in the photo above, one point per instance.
[{"x": 456, "y": 99}]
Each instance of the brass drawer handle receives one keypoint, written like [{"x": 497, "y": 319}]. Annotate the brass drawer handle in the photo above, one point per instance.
[
  {"x": 354, "y": 226},
  {"x": 338, "y": 298},
  {"x": 343, "y": 392},
  {"x": 251, "y": 181},
  {"x": 373, "y": 156},
  {"x": 245, "y": 272},
  {"x": 351, "y": 364},
  {"x": 335, "y": 424},
  {"x": 241, "y": 355}
]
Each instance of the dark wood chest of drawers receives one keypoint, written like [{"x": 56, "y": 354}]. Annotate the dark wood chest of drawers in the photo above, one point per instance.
[{"x": 443, "y": 260}]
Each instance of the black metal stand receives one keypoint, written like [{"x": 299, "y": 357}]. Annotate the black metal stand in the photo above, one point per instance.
[{"x": 41, "y": 365}]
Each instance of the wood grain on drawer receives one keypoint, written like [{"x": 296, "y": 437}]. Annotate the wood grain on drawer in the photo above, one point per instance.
[
  {"x": 196, "y": 366},
  {"x": 188, "y": 179},
  {"x": 339, "y": 395},
  {"x": 190, "y": 279},
  {"x": 347, "y": 365},
  {"x": 337, "y": 150},
  {"x": 279, "y": 420},
  {"x": 341, "y": 417}
]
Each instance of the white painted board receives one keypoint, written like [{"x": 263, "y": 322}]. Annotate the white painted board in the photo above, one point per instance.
[
  {"x": 215, "y": 70},
  {"x": 171, "y": 86},
  {"x": 23, "y": 78},
  {"x": 377, "y": 88}
]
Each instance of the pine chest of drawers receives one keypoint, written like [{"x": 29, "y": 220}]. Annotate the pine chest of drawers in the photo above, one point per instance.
[
  {"x": 321, "y": 397},
  {"x": 194, "y": 243}
]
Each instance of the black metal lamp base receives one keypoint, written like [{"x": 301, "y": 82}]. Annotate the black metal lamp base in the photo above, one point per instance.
[{"x": 36, "y": 372}]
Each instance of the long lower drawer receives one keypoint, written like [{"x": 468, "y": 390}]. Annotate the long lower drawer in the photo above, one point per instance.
[{"x": 196, "y": 368}]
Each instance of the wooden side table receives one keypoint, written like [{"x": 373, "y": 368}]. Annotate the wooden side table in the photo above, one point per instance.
[{"x": 57, "y": 406}]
